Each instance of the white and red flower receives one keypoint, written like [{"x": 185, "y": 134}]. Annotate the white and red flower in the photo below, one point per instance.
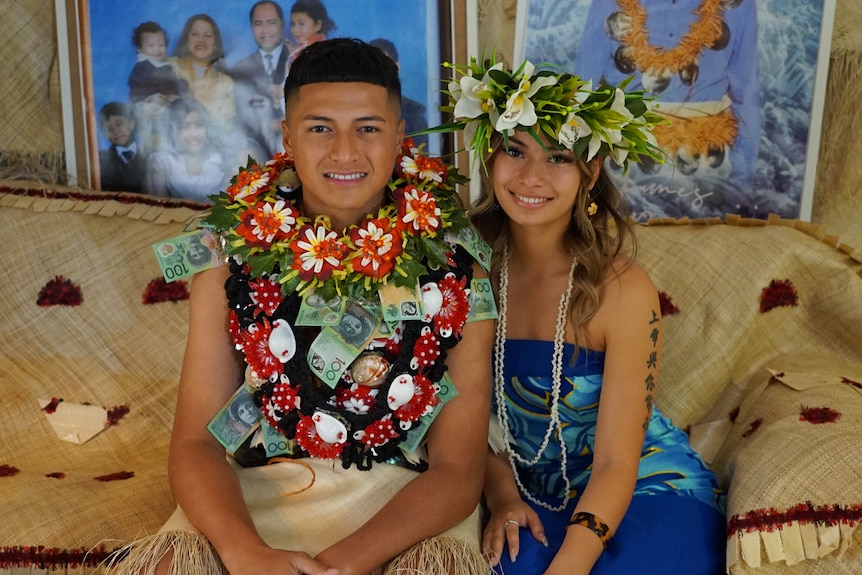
[
  {"x": 423, "y": 168},
  {"x": 453, "y": 313},
  {"x": 359, "y": 399},
  {"x": 319, "y": 252},
  {"x": 254, "y": 344},
  {"x": 248, "y": 184},
  {"x": 417, "y": 209},
  {"x": 423, "y": 401},
  {"x": 309, "y": 440},
  {"x": 378, "y": 244}
]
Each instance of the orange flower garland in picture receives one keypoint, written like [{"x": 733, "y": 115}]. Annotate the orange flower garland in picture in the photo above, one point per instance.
[{"x": 704, "y": 32}]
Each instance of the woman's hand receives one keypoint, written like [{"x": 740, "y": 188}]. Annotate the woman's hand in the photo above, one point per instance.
[{"x": 505, "y": 526}]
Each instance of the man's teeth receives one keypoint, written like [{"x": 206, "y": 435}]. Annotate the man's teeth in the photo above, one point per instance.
[{"x": 344, "y": 177}]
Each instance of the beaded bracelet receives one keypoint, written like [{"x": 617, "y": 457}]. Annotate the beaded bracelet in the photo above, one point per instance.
[{"x": 594, "y": 524}]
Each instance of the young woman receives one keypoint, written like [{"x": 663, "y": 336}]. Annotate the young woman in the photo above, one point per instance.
[{"x": 586, "y": 474}]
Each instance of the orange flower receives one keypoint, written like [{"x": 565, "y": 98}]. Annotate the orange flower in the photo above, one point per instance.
[{"x": 378, "y": 244}]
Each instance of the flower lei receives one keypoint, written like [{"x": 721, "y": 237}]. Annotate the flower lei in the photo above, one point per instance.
[
  {"x": 265, "y": 230},
  {"x": 279, "y": 257},
  {"x": 606, "y": 122},
  {"x": 702, "y": 33}
]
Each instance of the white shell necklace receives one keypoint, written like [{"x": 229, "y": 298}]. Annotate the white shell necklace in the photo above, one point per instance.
[{"x": 556, "y": 379}]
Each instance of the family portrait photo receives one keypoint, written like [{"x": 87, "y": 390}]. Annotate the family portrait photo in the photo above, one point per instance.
[{"x": 184, "y": 93}]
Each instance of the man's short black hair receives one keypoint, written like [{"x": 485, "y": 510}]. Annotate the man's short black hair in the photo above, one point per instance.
[{"x": 343, "y": 60}]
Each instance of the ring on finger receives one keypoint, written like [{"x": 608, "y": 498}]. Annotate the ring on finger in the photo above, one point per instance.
[{"x": 511, "y": 521}]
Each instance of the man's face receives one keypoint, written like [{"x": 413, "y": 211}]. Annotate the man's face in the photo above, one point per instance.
[
  {"x": 267, "y": 27},
  {"x": 119, "y": 130},
  {"x": 344, "y": 138}
]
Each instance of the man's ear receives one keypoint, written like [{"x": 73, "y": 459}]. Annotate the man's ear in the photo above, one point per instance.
[{"x": 285, "y": 138}]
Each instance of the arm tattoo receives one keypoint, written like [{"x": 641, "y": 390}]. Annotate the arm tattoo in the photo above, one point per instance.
[{"x": 652, "y": 366}]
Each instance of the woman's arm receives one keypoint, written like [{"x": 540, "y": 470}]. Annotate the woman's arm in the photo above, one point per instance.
[
  {"x": 449, "y": 490},
  {"x": 629, "y": 321}
]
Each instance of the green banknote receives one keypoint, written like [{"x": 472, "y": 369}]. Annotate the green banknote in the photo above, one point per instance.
[
  {"x": 481, "y": 300},
  {"x": 236, "y": 420},
  {"x": 187, "y": 254}
]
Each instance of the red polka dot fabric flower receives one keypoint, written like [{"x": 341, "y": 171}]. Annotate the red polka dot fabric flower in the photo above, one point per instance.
[
  {"x": 318, "y": 252},
  {"x": 378, "y": 244},
  {"x": 418, "y": 211},
  {"x": 266, "y": 295},
  {"x": 780, "y": 293},
  {"x": 282, "y": 400},
  {"x": 426, "y": 350},
  {"x": 60, "y": 291},
  {"x": 379, "y": 433}
]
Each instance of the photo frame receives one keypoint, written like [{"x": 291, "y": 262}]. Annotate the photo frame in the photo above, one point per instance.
[
  {"x": 747, "y": 103},
  {"x": 100, "y": 57}
]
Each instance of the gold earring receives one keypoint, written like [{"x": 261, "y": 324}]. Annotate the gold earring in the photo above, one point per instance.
[{"x": 592, "y": 209}]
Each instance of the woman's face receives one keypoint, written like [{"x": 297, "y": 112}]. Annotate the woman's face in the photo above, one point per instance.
[
  {"x": 193, "y": 133},
  {"x": 302, "y": 27},
  {"x": 202, "y": 42},
  {"x": 536, "y": 186}
]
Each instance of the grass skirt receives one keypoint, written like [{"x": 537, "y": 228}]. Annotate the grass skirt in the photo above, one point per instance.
[{"x": 307, "y": 505}]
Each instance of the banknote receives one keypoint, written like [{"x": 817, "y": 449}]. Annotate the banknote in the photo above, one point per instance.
[
  {"x": 417, "y": 434},
  {"x": 470, "y": 239},
  {"x": 335, "y": 348},
  {"x": 314, "y": 310},
  {"x": 236, "y": 420},
  {"x": 274, "y": 441},
  {"x": 400, "y": 303},
  {"x": 481, "y": 300},
  {"x": 187, "y": 254}
]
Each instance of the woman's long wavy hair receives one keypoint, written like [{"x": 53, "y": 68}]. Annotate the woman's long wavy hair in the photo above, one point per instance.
[{"x": 596, "y": 241}]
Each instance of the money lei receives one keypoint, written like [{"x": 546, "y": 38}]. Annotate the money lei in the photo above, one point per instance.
[{"x": 280, "y": 257}]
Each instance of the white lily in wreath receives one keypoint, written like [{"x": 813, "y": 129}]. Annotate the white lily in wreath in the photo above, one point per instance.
[{"x": 519, "y": 108}]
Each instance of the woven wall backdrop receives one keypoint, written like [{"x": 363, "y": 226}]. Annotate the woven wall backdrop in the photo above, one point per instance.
[{"x": 31, "y": 134}]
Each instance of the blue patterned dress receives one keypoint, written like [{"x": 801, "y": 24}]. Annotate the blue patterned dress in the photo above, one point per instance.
[{"x": 675, "y": 522}]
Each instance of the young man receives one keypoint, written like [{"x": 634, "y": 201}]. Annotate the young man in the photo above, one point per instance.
[
  {"x": 355, "y": 505},
  {"x": 259, "y": 79},
  {"x": 122, "y": 165}
]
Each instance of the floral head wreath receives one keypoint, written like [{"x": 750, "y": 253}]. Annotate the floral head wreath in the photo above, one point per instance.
[{"x": 605, "y": 122}]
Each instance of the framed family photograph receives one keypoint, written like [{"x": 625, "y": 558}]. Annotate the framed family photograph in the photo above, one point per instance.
[
  {"x": 741, "y": 81},
  {"x": 148, "y": 83}
]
